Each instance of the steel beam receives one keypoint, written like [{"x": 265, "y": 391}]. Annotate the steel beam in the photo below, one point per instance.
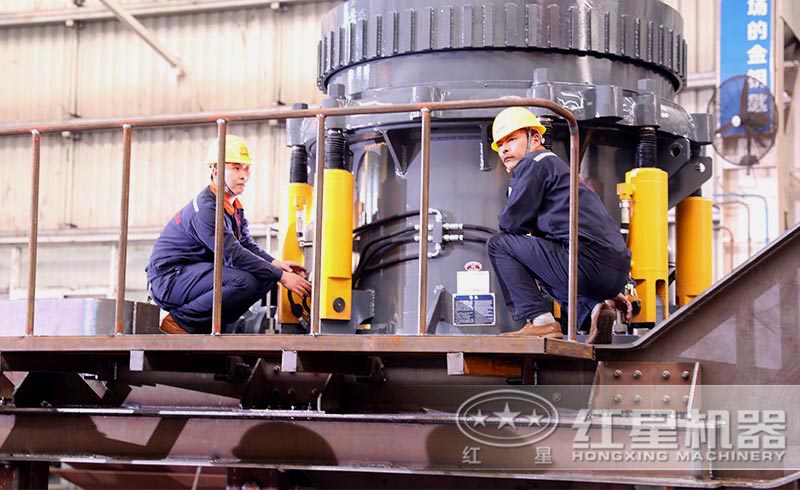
[
  {"x": 419, "y": 444},
  {"x": 262, "y": 345},
  {"x": 744, "y": 330},
  {"x": 130, "y": 21}
]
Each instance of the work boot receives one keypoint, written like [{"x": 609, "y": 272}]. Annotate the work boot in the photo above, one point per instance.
[
  {"x": 550, "y": 331},
  {"x": 602, "y": 325},
  {"x": 170, "y": 326}
]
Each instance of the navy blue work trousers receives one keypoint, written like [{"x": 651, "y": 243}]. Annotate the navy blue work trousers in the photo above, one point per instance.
[
  {"x": 186, "y": 292},
  {"x": 520, "y": 261}
]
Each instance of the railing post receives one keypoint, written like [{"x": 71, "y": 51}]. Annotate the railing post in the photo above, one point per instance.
[
  {"x": 319, "y": 176},
  {"x": 574, "y": 169},
  {"x": 123, "y": 228},
  {"x": 424, "y": 187},
  {"x": 32, "y": 244},
  {"x": 219, "y": 229}
]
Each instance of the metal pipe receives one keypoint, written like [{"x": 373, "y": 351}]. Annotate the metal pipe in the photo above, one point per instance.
[
  {"x": 32, "y": 243},
  {"x": 747, "y": 208},
  {"x": 424, "y": 188},
  {"x": 219, "y": 229},
  {"x": 166, "y": 120},
  {"x": 130, "y": 21},
  {"x": 317, "y": 250},
  {"x": 766, "y": 209},
  {"x": 574, "y": 168},
  {"x": 123, "y": 228},
  {"x": 730, "y": 244}
]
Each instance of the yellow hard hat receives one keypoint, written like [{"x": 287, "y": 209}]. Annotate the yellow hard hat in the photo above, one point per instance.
[
  {"x": 512, "y": 119},
  {"x": 236, "y": 151}
]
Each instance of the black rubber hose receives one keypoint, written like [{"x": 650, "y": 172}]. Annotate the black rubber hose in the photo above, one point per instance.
[
  {"x": 382, "y": 249},
  {"x": 335, "y": 149},
  {"x": 365, "y": 251},
  {"x": 484, "y": 229},
  {"x": 391, "y": 263},
  {"x": 647, "y": 148},
  {"x": 298, "y": 170},
  {"x": 384, "y": 221}
]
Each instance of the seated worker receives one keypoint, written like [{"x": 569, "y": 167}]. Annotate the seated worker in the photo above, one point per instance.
[
  {"x": 533, "y": 244},
  {"x": 181, "y": 269}
]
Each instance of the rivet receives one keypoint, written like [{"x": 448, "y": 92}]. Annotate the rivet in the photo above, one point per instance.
[
  {"x": 637, "y": 374},
  {"x": 617, "y": 398},
  {"x": 617, "y": 373},
  {"x": 637, "y": 398},
  {"x": 666, "y": 399},
  {"x": 665, "y": 374},
  {"x": 686, "y": 399},
  {"x": 685, "y": 375}
]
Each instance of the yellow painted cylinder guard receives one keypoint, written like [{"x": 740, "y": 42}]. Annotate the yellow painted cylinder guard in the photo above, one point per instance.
[
  {"x": 648, "y": 237},
  {"x": 297, "y": 197},
  {"x": 337, "y": 246},
  {"x": 693, "y": 235}
]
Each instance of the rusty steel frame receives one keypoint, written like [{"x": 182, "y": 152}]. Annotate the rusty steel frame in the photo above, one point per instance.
[
  {"x": 264, "y": 344},
  {"x": 223, "y": 120},
  {"x": 122, "y": 260},
  {"x": 420, "y": 444}
]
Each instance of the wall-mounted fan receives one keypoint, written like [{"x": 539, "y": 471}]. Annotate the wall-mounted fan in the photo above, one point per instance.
[{"x": 746, "y": 120}]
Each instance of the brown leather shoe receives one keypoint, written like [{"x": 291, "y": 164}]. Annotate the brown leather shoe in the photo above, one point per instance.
[
  {"x": 170, "y": 326},
  {"x": 550, "y": 331},
  {"x": 602, "y": 326}
]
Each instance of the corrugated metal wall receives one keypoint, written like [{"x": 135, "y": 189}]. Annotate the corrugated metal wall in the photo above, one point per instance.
[{"x": 236, "y": 59}]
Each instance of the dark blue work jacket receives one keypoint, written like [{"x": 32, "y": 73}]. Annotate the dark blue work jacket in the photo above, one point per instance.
[
  {"x": 538, "y": 203},
  {"x": 188, "y": 238}
]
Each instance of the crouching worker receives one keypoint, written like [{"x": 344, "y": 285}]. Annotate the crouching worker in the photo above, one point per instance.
[
  {"x": 181, "y": 268},
  {"x": 533, "y": 245}
]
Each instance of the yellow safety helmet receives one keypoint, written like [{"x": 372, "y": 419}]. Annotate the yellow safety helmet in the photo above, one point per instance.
[
  {"x": 236, "y": 151},
  {"x": 512, "y": 119}
]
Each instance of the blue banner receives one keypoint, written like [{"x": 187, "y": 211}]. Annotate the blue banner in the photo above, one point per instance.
[{"x": 745, "y": 49}]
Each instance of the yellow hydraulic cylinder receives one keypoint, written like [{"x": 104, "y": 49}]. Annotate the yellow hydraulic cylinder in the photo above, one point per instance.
[
  {"x": 693, "y": 237},
  {"x": 294, "y": 216},
  {"x": 337, "y": 245},
  {"x": 646, "y": 190}
]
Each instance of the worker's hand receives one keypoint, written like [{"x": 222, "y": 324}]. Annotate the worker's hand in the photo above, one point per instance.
[
  {"x": 290, "y": 266},
  {"x": 296, "y": 284},
  {"x": 621, "y": 303}
]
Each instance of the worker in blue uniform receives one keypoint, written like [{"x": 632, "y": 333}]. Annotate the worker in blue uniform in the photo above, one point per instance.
[
  {"x": 530, "y": 255},
  {"x": 181, "y": 269}
]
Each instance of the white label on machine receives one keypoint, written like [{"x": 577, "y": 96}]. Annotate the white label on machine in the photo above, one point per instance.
[
  {"x": 475, "y": 310},
  {"x": 472, "y": 282}
]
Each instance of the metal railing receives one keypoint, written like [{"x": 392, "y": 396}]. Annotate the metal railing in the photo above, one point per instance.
[{"x": 222, "y": 121}]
